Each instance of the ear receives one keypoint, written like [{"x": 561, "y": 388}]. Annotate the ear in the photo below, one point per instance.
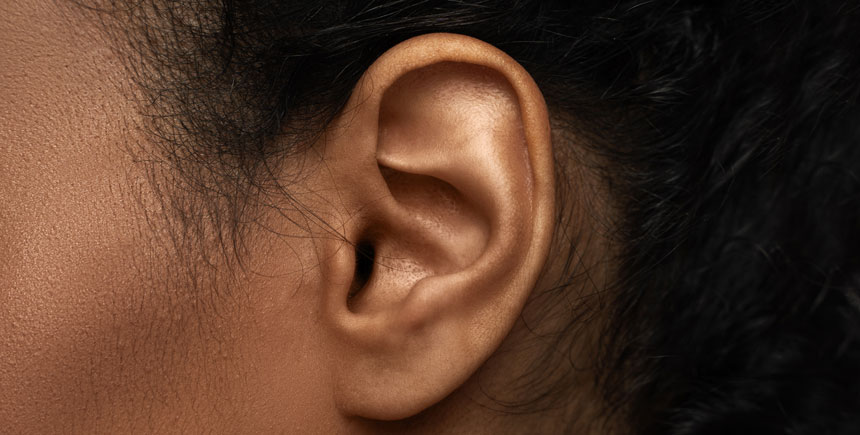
[{"x": 443, "y": 155}]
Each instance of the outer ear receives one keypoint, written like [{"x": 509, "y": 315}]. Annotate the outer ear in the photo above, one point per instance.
[{"x": 444, "y": 153}]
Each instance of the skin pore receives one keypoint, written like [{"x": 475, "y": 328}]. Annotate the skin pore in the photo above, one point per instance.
[{"x": 126, "y": 308}]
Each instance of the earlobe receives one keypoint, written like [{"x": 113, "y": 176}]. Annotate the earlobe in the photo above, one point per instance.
[{"x": 445, "y": 155}]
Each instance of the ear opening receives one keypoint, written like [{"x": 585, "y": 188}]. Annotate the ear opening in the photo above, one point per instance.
[{"x": 365, "y": 259}]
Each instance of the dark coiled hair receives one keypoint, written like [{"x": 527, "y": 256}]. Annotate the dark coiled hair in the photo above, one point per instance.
[{"x": 730, "y": 136}]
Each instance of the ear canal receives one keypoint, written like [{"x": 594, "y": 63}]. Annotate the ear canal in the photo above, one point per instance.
[{"x": 365, "y": 257}]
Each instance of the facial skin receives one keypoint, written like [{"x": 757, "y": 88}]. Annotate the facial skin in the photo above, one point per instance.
[{"x": 115, "y": 317}]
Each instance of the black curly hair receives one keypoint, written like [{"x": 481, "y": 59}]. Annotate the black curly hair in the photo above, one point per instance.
[{"x": 729, "y": 140}]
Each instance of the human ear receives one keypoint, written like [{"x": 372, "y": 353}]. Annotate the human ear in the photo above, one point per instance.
[{"x": 443, "y": 154}]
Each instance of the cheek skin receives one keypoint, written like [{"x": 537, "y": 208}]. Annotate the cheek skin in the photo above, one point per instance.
[{"x": 100, "y": 327}]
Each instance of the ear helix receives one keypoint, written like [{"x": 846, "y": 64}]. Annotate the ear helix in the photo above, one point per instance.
[{"x": 450, "y": 215}]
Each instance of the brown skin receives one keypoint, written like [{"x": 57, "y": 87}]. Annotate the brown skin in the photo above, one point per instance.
[{"x": 106, "y": 325}]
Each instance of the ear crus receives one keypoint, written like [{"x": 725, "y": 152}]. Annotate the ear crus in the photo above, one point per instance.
[{"x": 444, "y": 153}]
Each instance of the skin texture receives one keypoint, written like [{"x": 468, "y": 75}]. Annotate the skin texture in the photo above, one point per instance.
[
  {"x": 113, "y": 318},
  {"x": 101, "y": 328}
]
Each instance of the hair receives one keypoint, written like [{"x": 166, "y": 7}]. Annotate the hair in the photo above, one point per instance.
[{"x": 728, "y": 133}]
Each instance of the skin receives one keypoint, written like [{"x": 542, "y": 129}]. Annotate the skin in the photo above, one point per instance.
[{"x": 113, "y": 320}]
